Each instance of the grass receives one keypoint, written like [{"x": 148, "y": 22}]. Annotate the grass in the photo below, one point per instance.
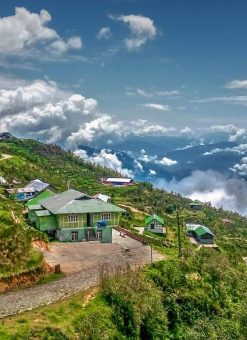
[{"x": 59, "y": 316}]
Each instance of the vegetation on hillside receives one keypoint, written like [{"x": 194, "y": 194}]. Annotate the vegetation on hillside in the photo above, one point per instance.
[{"x": 200, "y": 295}]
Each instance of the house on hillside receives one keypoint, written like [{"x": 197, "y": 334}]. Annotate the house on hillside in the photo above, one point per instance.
[
  {"x": 196, "y": 205},
  {"x": 155, "y": 224},
  {"x": 201, "y": 233},
  {"x": 33, "y": 204},
  {"x": 74, "y": 216},
  {"x": 30, "y": 190},
  {"x": 119, "y": 181}
]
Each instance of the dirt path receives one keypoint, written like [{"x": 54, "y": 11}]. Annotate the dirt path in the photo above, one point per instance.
[
  {"x": 133, "y": 209},
  {"x": 15, "y": 302},
  {"x": 4, "y": 157}
]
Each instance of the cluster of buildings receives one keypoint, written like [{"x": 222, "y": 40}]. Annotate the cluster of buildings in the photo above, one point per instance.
[{"x": 75, "y": 216}]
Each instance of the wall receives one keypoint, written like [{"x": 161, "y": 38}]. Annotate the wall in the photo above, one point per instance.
[
  {"x": 45, "y": 223},
  {"x": 82, "y": 220}
]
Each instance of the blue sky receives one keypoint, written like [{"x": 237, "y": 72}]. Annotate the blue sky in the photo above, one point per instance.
[{"x": 165, "y": 64}]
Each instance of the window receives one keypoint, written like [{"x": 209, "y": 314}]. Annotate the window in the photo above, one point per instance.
[
  {"x": 74, "y": 236},
  {"x": 72, "y": 218},
  {"x": 98, "y": 234},
  {"x": 106, "y": 216}
]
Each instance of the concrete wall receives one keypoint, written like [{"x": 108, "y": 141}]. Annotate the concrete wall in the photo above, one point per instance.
[
  {"x": 158, "y": 229},
  {"x": 65, "y": 234}
]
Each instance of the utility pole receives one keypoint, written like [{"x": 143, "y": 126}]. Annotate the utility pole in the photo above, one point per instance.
[{"x": 179, "y": 234}]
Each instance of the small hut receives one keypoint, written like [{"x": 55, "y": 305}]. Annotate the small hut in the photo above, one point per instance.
[
  {"x": 196, "y": 205},
  {"x": 155, "y": 224}
]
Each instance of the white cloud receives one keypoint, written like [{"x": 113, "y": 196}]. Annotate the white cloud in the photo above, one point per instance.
[
  {"x": 241, "y": 168},
  {"x": 167, "y": 161},
  {"x": 170, "y": 93},
  {"x": 221, "y": 191},
  {"x": 142, "y": 29},
  {"x": 237, "y": 84},
  {"x": 138, "y": 165},
  {"x": 22, "y": 33},
  {"x": 159, "y": 107},
  {"x": 146, "y": 158},
  {"x": 240, "y": 149},
  {"x": 41, "y": 108},
  {"x": 143, "y": 93},
  {"x": 104, "y": 33},
  {"x": 237, "y": 100},
  {"x": 152, "y": 172},
  {"x": 105, "y": 159}
]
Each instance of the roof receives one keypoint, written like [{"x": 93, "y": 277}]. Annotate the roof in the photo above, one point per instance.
[
  {"x": 35, "y": 207},
  {"x": 75, "y": 202},
  {"x": 154, "y": 217},
  {"x": 41, "y": 196},
  {"x": 123, "y": 180},
  {"x": 196, "y": 202},
  {"x": 27, "y": 190},
  {"x": 41, "y": 213},
  {"x": 102, "y": 197},
  {"x": 199, "y": 229},
  {"x": 37, "y": 185}
]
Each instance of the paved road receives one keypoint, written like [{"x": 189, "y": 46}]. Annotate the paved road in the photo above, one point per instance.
[{"x": 26, "y": 299}]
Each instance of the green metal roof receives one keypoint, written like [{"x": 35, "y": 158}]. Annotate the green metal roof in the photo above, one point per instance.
[
  {"x": 34, "y": 207},
  {"x": 196, "y": 202},
  {"x": 150, "y": 218},
  {"x": 75, "y": 202},
  {"x": 36, "y": 200},
  {"x": 42, "y": 213},
  {"x": 199, "y": 229}
]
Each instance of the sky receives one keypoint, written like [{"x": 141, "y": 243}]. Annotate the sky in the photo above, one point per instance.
[{"x": 74, "y": 71}]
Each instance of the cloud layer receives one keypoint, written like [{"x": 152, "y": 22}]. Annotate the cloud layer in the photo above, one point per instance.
[{"x": 221, "y": 191}]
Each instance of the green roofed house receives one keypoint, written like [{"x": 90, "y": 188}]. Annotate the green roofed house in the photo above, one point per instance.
[
  {"x": 196, "y": 205},
  {"x": 201, "y": 233},
  {"x": 33, "y": 204},
  {"x": 155, "y": 224},
  {"x": 74, "y": 216}
]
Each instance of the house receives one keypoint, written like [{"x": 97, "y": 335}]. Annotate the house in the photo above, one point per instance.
[
  {"x": 196, "y": 205},
  {"x": 102, "y": 197},
  {"x": 119, "y": 181},
  {"x": 30, "y": 190},
  {"x": 74, "y": 216},
  {"x": 200, "y": 232},
  {"x": 33, "y": 204},
  {"x": 155, "y": 224},
  {"x": 3, "y": 181}
]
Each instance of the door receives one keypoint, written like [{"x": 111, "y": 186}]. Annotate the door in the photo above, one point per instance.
[
  {"x": 89, "y": 220},
  {"x": 99, "y": 234},
  {"x": 74, "y": 235}
]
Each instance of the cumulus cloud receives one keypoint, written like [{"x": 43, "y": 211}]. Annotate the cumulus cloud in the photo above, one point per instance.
[
  {"x": 236, "y": 84},
  {"x": 104, "y": 33},
  {"x": 41, "y": 108},
  {"x": 105, "y": 159},
  {"x": 24, "y": 31},
  {"x": 166, "y": 161},
  {"x": 211, "y": 186},
  {"x": 144, "y": 157},
  {"x": 142, "y": 30},
  {"x": 159, "y": 107},
  {"x": 240, "y": 168},
  {"x": 152, "y": 172},
  {"x": 235, "y": 133}
]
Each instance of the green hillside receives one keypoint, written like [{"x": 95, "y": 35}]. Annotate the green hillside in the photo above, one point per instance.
[{"x": 200, "y": 295}]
